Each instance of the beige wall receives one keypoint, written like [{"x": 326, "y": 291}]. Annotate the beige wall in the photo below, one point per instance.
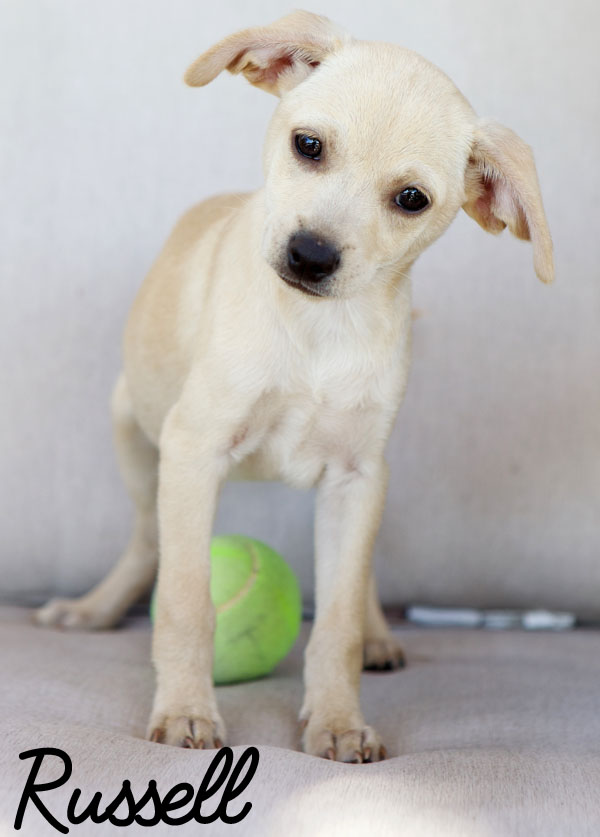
[{"x": 495, "y": 490}]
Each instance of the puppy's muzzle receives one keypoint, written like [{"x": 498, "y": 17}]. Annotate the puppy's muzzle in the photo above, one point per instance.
[{"x": 311, "y": 258}]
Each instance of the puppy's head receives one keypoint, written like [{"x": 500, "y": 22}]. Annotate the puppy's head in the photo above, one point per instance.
[{"x": 369, "y": 156}]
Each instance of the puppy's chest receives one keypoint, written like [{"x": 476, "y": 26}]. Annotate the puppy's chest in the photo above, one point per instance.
[{"x": 332, "y": 409}]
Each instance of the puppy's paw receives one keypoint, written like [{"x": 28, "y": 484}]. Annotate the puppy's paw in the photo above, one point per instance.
[
  {"x": 383, "y": 654},
  {"x": 190, "y": 731},
  {"x": 76, "y": 614},
  {"x": 338, "y": 742}
]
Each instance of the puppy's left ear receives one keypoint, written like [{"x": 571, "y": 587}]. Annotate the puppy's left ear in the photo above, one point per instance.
[
  {"x": 502, "y": 190},
  {"x": 275, "y": 57}
]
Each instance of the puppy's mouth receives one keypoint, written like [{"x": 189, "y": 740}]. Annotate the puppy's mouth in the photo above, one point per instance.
[{"x": 303, "y": 286}]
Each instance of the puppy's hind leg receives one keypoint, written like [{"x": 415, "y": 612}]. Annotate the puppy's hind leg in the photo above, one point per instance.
[
  {"x": 381, "y": 649},
  {"x": 135, "y": 571}
]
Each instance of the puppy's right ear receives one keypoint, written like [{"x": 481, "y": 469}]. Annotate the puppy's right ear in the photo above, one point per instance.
[{"x": 276, "y": 57}]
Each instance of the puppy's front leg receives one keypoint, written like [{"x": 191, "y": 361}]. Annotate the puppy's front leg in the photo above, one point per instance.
[
  {"x": 185, "y": 711},
  {"x": 349, "y": 505}
]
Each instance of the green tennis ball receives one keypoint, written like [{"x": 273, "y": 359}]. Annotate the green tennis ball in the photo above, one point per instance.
[{"x": 258, "y": 607}]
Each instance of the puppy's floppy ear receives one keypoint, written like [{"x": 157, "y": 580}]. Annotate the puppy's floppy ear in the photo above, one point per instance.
[
  {"x": 275, "y": 57},
  {"x": 503, "y": 191}
]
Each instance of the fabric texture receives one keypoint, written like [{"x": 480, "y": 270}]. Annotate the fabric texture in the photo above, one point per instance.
[{"x": 489, "y": 735}]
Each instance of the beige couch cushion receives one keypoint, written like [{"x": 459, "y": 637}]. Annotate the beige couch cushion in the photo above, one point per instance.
[{"x": 490, "y": 734}]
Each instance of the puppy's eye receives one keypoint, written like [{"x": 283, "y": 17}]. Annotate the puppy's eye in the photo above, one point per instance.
[
  {"x": 411, "y": 199},
  {"x": 308, "y": 146}
]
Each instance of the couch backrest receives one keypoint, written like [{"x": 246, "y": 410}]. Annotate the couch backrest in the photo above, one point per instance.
[{"x": 495, "y": 488}]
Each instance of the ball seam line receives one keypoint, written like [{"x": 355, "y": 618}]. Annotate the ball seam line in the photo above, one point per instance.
[{"x": 224, "y": 606}]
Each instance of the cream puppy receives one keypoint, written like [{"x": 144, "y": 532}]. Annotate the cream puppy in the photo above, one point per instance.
[{"x": 271, "y": 341}]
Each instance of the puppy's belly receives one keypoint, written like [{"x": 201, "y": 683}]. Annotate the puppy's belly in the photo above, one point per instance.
[
  {"x": 297, "y": 442},
  {"x": 302, "y": 472}
]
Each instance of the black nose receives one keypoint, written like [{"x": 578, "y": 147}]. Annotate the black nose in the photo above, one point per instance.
[{"x": 311, "y": 258}]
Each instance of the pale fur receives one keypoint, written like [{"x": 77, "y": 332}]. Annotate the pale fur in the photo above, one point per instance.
[{"x": 230, "y": 372}]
